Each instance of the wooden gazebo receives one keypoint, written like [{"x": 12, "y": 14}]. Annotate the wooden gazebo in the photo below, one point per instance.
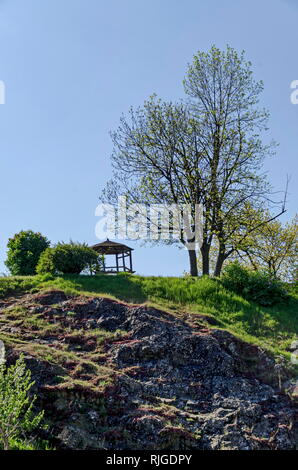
[{"x": 121, "y": 252}]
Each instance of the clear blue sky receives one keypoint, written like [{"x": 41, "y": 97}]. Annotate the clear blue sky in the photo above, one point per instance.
[{"x": 71, "y": 67}]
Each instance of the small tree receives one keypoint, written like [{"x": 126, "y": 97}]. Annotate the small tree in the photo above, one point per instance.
[
  {"x": 16, "y": 405},
  {"x": 24, "y": 251},
  {"x": 273, "y": 247}
]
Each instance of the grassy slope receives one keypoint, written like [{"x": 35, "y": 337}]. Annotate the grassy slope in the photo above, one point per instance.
[{"x": 273, "y": 328}]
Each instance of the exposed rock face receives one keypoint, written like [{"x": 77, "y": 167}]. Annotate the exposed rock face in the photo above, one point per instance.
[{"x": 175, "y": 385}]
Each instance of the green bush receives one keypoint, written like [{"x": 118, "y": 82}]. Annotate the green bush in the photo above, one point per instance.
[
  {"x": 258, "y": 286},
  {"x": 24, "y": 251},
  {"x": 68, "y": 258},
  {"x": 17, "y": 416}
]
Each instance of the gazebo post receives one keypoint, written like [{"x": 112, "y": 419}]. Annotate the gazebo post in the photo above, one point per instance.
[
  {"x": 123, "y": 260},
  {"x": 117, "y": 264},
  {"x": 130, "y": 261}
]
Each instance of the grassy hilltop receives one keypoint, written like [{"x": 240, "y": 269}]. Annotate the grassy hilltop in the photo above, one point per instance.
[{"x": 273, "y": 328}]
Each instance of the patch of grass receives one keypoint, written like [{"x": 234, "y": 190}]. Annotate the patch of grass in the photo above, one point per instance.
[
  {"x": 120, "y": 286},
  {"x": 37, "y": 444},
  {"x": 272, "y": 327},
  {"x": 18, "y": 284}
]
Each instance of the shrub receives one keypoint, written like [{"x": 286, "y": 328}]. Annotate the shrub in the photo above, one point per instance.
[
  {"x": 68, "y": 258},
  {"x": 258, "y": 286},
  {"x": 24, "y": 251},
  {"x": 46, "y": 263},
  {"x": 16, "y": 406}
]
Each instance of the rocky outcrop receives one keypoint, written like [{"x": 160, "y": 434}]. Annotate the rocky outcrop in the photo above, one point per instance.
[{"x": 171, "y": 383}]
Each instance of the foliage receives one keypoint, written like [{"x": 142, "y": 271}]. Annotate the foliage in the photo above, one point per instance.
[
  {"x": 270, "y": 247},
  {"x": 259, "y": 286},
  {"x": 294, "y": 278},
  {"x": 17, "y": 444},
  {"x": 273, "y": 247},
  {"x": 68, "y": 258},
  {"x": 24, "y": 250},
  {"x": 17, "y": 416}
]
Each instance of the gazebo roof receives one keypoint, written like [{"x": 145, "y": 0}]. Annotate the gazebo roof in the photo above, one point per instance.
[{"x": 110, "y": 248}]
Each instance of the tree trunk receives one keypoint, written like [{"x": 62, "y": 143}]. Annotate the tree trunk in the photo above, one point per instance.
[
  {"x": 255, "y": 267},
  {"x": 5, "y": 443},
  {"x": 205, "y": 249},
  {"x": 193, "y": 262},
  {"x": 219, "y": 264}
]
